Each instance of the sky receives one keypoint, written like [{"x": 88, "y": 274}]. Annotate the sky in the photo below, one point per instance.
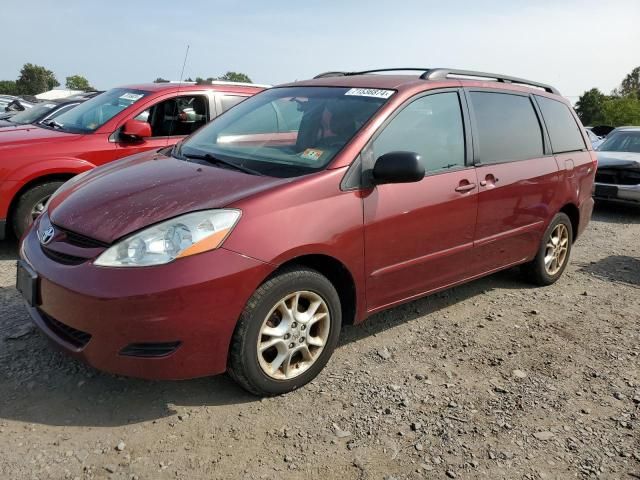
[{"x": 574, "y": 45}]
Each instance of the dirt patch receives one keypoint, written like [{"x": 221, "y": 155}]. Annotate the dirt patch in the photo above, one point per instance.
[{"x": 493, "y": 379}]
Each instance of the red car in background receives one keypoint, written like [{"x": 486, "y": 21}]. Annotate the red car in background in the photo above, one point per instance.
[{"x": 36, "y": 161}]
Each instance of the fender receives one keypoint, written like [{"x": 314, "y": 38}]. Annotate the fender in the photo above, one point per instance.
[
  {"x": 51, "y": 166},
  {"x": 32, "y": 171},
  {"x": 355, "y": 269}
]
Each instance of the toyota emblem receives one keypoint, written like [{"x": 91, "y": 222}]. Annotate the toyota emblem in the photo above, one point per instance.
[{"x": 47, "y": 236}]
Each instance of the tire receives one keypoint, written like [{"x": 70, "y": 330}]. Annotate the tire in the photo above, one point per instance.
[
  {"x": 27, "y": 203},
  {"x": 538, "y": 271},
  {"x": 266, "y": 312}
]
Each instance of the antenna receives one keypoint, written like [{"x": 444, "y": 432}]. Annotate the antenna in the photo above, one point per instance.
[{"x": 175, "y": 112}]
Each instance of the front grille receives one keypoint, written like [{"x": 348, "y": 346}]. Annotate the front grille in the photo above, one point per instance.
[
  {"x": 82, "y": 247},
  {"x": 150, "y": 350},
  {"x": 617, "y": 177},
  {"x": 81, "y": 241},
  {"x": 77, "y": 338},
  {"x": 63, "y": 258}
]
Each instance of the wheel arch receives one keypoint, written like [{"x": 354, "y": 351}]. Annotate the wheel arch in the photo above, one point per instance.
[
  {"x": 52, "y": 177},
  {"x": 572, "y": 211},
  {"x": 337, "y": 273}
]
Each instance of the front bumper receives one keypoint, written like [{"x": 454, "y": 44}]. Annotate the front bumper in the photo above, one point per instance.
[
  {"x": 195, "y": 301},
  {"x": 624, "y": 193}
]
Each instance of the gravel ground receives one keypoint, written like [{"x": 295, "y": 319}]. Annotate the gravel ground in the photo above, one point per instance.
[{"x": 493, "y": 379}]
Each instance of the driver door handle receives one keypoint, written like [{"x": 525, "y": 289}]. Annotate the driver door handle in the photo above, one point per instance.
[{"x": 465, "y": 188}]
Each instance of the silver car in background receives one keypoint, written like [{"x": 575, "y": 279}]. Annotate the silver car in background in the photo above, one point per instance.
[
  {"x": 596, "y": 141},
  {"x": 618, "y": 175}
]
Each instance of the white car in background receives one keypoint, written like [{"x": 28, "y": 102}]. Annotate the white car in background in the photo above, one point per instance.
[
  {"x": 596, "y": 141},
  {"x": 618, "y": 174}
]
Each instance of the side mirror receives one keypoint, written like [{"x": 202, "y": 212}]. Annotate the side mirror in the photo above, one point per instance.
[
  {"x": 136, "y": 129},
  {"x": 398, "y": 167}
]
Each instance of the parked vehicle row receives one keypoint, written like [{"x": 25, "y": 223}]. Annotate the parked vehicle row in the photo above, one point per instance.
[
  {"x": 245, "y": 247},
  {"x": 10, "y": 105},
  {"x": 41, "y": 112},
  {"x": 5, "y": 100}
]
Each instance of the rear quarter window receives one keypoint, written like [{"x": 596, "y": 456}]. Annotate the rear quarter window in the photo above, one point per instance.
[
  {"x": 564, "y": 132},
  {"x": 229, "y": 101},
  {"x": 507, "y": 128}
]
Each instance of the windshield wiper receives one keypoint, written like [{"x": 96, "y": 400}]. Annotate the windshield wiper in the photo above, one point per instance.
[
  {"x": 53, "y": 123},
  {"x": 207, "y": 157}
]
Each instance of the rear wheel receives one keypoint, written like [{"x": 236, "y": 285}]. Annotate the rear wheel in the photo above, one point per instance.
[
  {"x": 31, "y": 204},
  {"x": 553, "y": 255},
  {"x": 286, "y": 334}
]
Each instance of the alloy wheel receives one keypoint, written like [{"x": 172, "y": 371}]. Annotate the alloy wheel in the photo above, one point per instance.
[
  {"x": 556, "y": 249},
  {"x": 38, "y": 208},
  {"x": 293, "y": 335}
]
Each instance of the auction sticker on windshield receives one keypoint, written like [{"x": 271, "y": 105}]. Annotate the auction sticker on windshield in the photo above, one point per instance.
[
  {"x": 131, "y": 96},
  {"x": 312, "y": 154},
  {"x": 370, "y": 92}
]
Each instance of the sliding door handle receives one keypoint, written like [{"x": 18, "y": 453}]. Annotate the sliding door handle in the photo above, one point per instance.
[{"x": 489, "y": 180}]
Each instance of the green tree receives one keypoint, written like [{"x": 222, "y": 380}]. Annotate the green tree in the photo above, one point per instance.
[
  {"x": 8, "y": 87},
  {"x": 35, "y": 79},
  {"x": 160, "y": 80},
  {"x": 631, "y": 84},
  {"x": 590, "y": 107},
  {"x": 227, "y": 77},
  {"x": 78, "y": 82},
  {"x": 235, "y": 77},
  {"x": 620, "y": 111}
]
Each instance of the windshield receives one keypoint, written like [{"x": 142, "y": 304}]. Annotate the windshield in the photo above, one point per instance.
[
  {"x": 622, "y": 142},
  {"x": 92, "y": 114},
  {"x": 34, "y": 114},
  {"x": 288, "y": 131}
]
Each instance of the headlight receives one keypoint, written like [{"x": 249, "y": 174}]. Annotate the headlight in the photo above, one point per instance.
[{"x": 176, "y": 238}]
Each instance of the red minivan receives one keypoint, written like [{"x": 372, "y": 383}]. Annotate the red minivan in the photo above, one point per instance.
[
  {"x": 37, "y": 160},
  {"x": 308, "y": 206}
]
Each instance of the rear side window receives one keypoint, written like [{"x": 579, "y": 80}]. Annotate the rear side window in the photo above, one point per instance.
[
  {"x": 229, "y": 101},
  {"x": 564, "y": 132},
  {"x": 432, "y": 127},
  {"x": 507, "y": 128}
]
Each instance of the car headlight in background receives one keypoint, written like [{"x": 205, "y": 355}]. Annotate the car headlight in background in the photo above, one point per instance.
[{"x": 176, "y": 238}]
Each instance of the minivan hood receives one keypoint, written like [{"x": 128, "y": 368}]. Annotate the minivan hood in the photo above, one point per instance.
[{"x": 120, "y": 198}]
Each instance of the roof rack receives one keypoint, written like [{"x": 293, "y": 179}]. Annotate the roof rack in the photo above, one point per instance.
[
  {"x": 221, "y": 82},
  {"x": 331, "y": 74},
  {"x": 442, "y": 73},
  {"x": 364, "y": 72},
  {"x": 242, "y": 84}
]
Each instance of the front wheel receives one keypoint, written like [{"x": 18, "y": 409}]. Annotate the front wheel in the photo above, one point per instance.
[
  {"x": 31, "y": 204},
  {"x": 286, "y": 333},
  {"x": 553, "y": 255}
]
